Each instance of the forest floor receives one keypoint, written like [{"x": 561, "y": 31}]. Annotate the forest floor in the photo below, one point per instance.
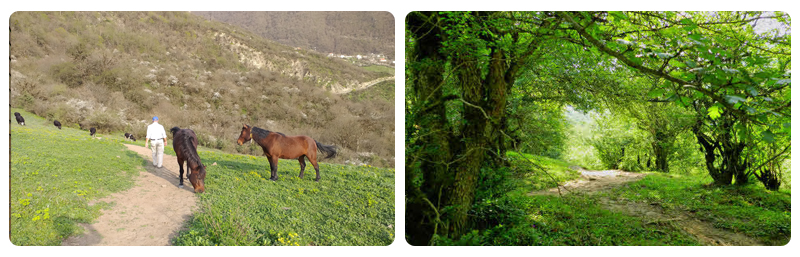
[
  {"x": 150, "y": 213},
  {"x": 594, "y": 182}
]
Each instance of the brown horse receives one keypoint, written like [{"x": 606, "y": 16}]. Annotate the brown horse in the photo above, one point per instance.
[
  {"x": 184, "y": 142},
  {"x": 279, "y": 146}
]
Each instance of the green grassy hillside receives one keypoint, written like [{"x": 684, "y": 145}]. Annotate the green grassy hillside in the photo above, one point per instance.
[
  {"x": 56, "y": 173},
  {"x": 53, "y": 176},
  {"x": 349, "y": 206}
]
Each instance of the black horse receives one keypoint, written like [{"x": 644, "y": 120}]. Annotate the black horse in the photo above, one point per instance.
[
  {"x": 184, "y": 142},
  {"x": 20, "y": 119},
  {"x": 92, "y": 131},
  {"x": 58, "y": 124}
]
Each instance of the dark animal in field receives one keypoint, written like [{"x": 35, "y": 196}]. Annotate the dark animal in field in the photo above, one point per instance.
[
  {"x": 92, "y": 131},
  {"x": 20, "y": 119},
  {"x": 184, "y": 142},
  {"x": 130, "y": 137},
  {"x": 276, "y": 146},
  {"x": 57, "y": 123}
]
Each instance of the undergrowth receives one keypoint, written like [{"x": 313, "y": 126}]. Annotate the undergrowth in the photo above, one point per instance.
[{"x": 750, "y": 209}]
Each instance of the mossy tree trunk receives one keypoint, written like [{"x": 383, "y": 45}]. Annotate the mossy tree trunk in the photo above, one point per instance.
[{"x": 448, "y": 154}]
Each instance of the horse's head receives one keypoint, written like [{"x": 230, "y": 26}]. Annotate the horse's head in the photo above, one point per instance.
[
  {"x": 245, "y": 136},
  {"x": 198, "y": 177}
]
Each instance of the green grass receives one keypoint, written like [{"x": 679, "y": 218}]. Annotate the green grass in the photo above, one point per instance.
[
  {"x": 750, "y": 209},
  {"x": 54, "y": 174},
  {"x": 515, "y": 218},
  {"x": 571, "y": 220},
  {"x": 533, "y": 179},
  {"x": 380, "y": 69},
  {"x": 349, "y": 206},
  {"x": 382, "y": 91}
]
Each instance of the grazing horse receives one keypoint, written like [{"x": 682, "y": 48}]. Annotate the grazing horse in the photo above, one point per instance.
[
  {"x": 92, "y": 131},
  {"x": 276, "y": 146},
  {"x": 184, "y": 142},
  {"x": 20, "y": 119},
  {"x": 58, "y": 124}
]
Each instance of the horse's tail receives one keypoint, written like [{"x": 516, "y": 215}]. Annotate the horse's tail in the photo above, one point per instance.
[
  {"x": 174, "y": 130},
  {"x": 330, "y": 150}
]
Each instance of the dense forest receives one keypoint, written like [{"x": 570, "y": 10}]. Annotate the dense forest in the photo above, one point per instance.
[
  {"x": 115, "y": 70},
  {"x": 598, "y": 128},
  {"x": 325, "y": 32}
]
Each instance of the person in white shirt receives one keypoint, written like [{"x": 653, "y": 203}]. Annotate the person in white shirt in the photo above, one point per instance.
[{"x": 156, "y": 134}]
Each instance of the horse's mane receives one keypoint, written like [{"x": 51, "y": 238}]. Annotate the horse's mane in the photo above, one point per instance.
[
  {"x": 174, "y": 130},
  {"x": 262, "y": 133},
  {"x": 187, "y": 149}
]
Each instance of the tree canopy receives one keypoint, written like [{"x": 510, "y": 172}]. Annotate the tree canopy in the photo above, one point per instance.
[{"x": 482, "y": 83}]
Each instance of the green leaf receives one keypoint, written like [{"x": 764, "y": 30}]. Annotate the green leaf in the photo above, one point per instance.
[
  {"x": 624, "y": 42},
  {"x": 656, "y": 93},
  {"x": 697, "y": 38},
  {"x": 733, "y": 99},
  {"x": 684, "y": 101},
  {"x": 714, "y": 112},
  {"x": 728, "y": 70},
  {"x": 740, "y": 130},
  {"x": 768, "y": 136},
  {"x": 663, "y": 55},
  {"x": 752, "y": 91},
  {"x": 619, "y": 15}
]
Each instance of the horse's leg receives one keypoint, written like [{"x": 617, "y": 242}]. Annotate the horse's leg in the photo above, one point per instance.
[
  {"x": 273, "y": 167},
  {"x": 316, "y": 166},
  {"x": 180, "y": 172},
  {"x": 302, "y": 165}
]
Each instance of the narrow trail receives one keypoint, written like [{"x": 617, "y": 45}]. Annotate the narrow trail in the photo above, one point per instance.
[
  {"x": 361, "y": 86},
  {"x": 592, "y": 181},
  {"x": 651, "y": 213},
  {"x": 150, "y": 213}
]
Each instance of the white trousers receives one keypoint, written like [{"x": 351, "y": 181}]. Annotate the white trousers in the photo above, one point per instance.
[{"x": 158, "y": 151}]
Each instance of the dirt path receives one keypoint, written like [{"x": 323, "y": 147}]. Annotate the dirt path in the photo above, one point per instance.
[
  {"x": 361, "y": 86},
  {"x": 595, "y": 181},
  {"x": 592, "y": 181},
  {"x": 150, "y": 213}
]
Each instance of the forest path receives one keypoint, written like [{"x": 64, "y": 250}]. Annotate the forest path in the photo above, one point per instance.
[
  {"x": 592, "y": 181},
  {"x": 150, "y": 213}
]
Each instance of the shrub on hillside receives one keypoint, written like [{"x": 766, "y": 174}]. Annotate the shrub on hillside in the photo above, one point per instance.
[{"x": 67, "y": 73}]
